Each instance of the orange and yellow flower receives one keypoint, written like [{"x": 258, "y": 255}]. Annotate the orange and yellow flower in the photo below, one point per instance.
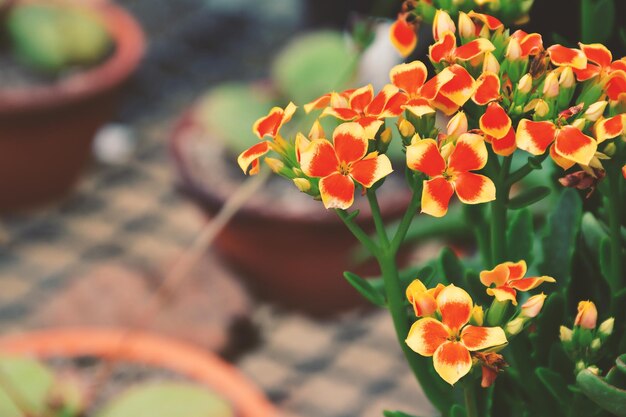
[
  {"x": 341, "y": 163},
  {"x": 423, "y": 300},
  {"x": 265, "y": 126},
  {"x": 402, "y": 35},
  {"x": 506, "y": 279},
  {"x": 446, "y": 50},
  {"x": 451, "y": 340},
  {"x": 449, "y": 171}
]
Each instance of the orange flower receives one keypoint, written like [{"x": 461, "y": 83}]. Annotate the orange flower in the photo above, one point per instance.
[
  {"x": 265, "y": 126},
  {"x": 508, "y": 278},
  {"x": 402, "y": 35},
  {"x": 569, "y": 144},
  {"x": 587, "y": 315},
  {"x": 599, "y": 62},
  {"x": 562, "y": 56},
  {"x": 424, "y": 301},
  {"x": 341, "y": 163},
  {"x": 445, "y": 49},
  {"x": 529, "y": 43},
  {"x": 451, "y": 340},
  {"x": 451, "y": 173}
]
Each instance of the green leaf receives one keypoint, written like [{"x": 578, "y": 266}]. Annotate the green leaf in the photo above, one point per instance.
[
  {"x": 559, "y": 238},
  {"x": 607, "y": 396},
  {"x": 528, "y": 197},
  {"x": 605, "y": 258},
  {"x": 457, "y": 411},
  {"x": 598, "y": 20},
  {"x": 555, "y": 384},
  {"x": 388, "y": 413},
  {"x": 520, "y": 236},
  {"x": 451, "y": 267},
  {"x": 365, "y": 289},
  {"x": 167, "y": 399}
]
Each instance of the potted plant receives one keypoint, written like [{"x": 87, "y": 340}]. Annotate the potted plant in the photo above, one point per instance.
[
  {"x": 477, "y": 333},
  {"x": 65, "y": 63},
  {"x": 204, "y": 144},
  {"x": 209, "y": 387}
]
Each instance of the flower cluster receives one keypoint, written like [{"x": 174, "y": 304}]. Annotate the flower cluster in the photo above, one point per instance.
[
  {"x": 450, "y": 326},
  {"x": 500, "y": 93}
]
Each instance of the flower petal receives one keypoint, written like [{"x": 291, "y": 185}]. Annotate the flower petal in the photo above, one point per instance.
[
  {"x": 460, "y": 88},
  {"x": 474, "y": 188},
  {"x": 573, "y": 144},
  {"x": 498, "y": 276},
  {"x": 270, "y": 125},
  {"x": 503, "y": 294},
  {"x": 455, "y": 305},
  {"x": 318, "y": 159},
  {"x": 361, "y": 97},
  {"x": 473, "y": 48},
  {"x": 426, "y": 335},
  {"x": 491, "y": 22},
  {"x": 342, "y": 113},
  {"x": 379, "y": 107},
  {"x": 564, "y": 163},
  {"x": 443, "y": 48},
  {"x": 535, "y": 137},
  {"x": 479, "y": 338},
  {"x": 610, "y": 128},
  {"x": 452, "y": 361},
  {"x": 424, "y": 156},
  {"x": 598, "y": 53},
  {"x": 517, "y": 270},
  {"x": 562, "y": 56},
  {"x": 337, "y": 191},
  {"x": 350, "y": 142},
  {"x": 431, "y": 88},
  {"x": 469, "y": 154},
  {"x": 504, "y": 146},
  {"x": 487, "y": 88},
  {"x": 436, "y": 197},
  {"x": 409, "y": 77},
  {"x": 403, "y": 36},
  {"x": 527, "y": 284},
  {"x": 251, "y": 156},
  {"x": 371, "y": 169},
  {"x": 616, "y": 85},
  {"x": 531, "y": 44},
  {"x": 495, "y": 122},
  {"x": 318, "y": 103},
  {"x": 370, "y": 126}
]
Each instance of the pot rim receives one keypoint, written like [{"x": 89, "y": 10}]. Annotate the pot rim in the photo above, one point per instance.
[
  {"x": 149, "y": 349},
  {"x": 129, "y": 41}
]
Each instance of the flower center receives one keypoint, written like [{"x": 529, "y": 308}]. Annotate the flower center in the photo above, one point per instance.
[{"x": 344, "y": 168}]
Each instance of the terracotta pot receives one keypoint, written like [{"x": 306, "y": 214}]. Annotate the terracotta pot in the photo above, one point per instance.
[
  {"x": 286, "y": 245},
  {"x": 46, "y": 131},
  {"x": 146, "y": 349}
]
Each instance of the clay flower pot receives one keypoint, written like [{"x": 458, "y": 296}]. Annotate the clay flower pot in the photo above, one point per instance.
[
  {"x": 286, "y": 245},
  {"x": 46, "y": 131},
  {"x": 146, "y": 349}
]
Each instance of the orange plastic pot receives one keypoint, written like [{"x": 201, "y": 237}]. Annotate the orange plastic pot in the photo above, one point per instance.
[
  {"x": 46, "y": 131},
  {"x": 147, "y": 349}
]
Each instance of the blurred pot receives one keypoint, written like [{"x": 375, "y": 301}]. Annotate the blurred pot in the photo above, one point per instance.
[
  {"x": 286, "y": 245},
  {"x": 146, "y": 349},
  {"x": 46, "y": 131}
]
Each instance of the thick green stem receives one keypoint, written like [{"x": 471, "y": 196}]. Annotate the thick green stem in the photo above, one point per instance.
[
  {"x": 378, "y": 219},
  {"x": 498, "y": 214},
  {"x": 613, "y": 201},
  {"x": 470, "y": 400},
  {"x": 405, "y": 223},
  {"x": 358, "y": 232}
]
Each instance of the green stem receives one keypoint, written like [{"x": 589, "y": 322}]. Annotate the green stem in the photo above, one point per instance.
[
  {"x": 498, "y": 214},
  {"x": 358, "y": 232},
  {"x": 405, "y": 223},
  {"x": 470, "y": 400},
  {"x": 378, "y": 218},
  {"x": 613, "y": 201}
]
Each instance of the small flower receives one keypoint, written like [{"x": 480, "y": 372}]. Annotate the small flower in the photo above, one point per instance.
[
  {"x": 445, "y": 49},
  {"x": 341, "y": 163},
  {"x": 508, "y": 278},
  {"x": 587, "y": 315},
  {"x": 532, "y": 307},
  {"x": 451, "y": 340},
  {"x": 265, "y": 126},
  {"x": 424, "y": 301},
  {"x": 451, "y": 174},
  {"x": 492, "y": 364},
  {"x": 529, "y": 43}
]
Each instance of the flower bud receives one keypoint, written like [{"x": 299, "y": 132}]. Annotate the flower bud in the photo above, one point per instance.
[
  {"x": 478, "y": 316},
  {"x": 457, "y": 125},
  {"x": 422, "y": 300},
  {"x": 565, "y": 334},
  {"x": 587, "y": 315},
  {"x": 595, "y": 111},
  {"x": 606, "y": 327},
  {"x": 525, "y": 84},
  {"x": 386, "y": 136},
  {"x": 490, "y": 63},
  {"x": 515, "y": 326},
  {"x": 303, "y": 184},
  {"x": 541, "y": 108},
  {"x": 275, "y": 165},
  {"x": 406, "y": 128},
  {"x": 596, "y": 344},
  {"x": 567, "y": 80},
  {"x": 579, "y": 124},
  {"x": 609, "y": 149},
  {"x": 532, "y": 307},
  {"x": 513, "y": 50},
  {"x": 317, "y": 131},
  {"x": 467, "y": 28},
  {"x": 442, "y": 23},
  {"x": 551, "y": 86}
]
